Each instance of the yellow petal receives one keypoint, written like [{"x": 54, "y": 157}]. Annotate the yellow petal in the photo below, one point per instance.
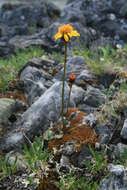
[
  {"x": 74, "y": 33},
  {"x": 57, "y": 36},
  {"x": 66, "y": 38}
]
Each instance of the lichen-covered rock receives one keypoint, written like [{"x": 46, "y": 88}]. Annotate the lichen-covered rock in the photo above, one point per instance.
[
  {"x": 90, "y": 119},
  {"x": 77, "y": 94},
  {"x": 37, "y": 118},
  {"x": 79, "y": 158},
  {"x": 117, "y": 179},
  {"x": 37, "y": 77},
  {"x": 94, "y": 97},
  {"x": 75, "y": 65},
  {"x": 86, "y": 77},
  {"x": 104, "y": 133},
  {"x": 7, "y": 107}
]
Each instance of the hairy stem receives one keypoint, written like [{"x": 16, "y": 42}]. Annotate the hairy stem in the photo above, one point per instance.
[{"x": 65, "y": 60}]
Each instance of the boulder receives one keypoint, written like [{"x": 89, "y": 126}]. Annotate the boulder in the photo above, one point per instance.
[
  {"x": 37, "y": 77},
  {"x": 77, "y": 94},
  {"x": 37, "y": 118}
]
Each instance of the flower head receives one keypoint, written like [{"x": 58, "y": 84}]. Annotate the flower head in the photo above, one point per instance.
[
  {"x": 72, "y": 77},
  {"x": 66, "y": 32}
]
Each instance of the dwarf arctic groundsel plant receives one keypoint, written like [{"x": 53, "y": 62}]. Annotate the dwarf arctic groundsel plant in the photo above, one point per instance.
[{"x": 65, "y": 33}]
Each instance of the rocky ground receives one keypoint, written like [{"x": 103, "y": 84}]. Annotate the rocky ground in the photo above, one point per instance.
[{"x": 91, "y": 152}]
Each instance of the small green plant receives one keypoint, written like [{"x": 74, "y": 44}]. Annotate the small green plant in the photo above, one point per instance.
[
  {"x": 67, "y": 182},
  {"x": 123, "y": 158},
  {"x": 71, "y": 182},
  {"x": 36, "y": 157},
  {"x": 7, "y": 168},
  {"x": 57, "y": 56},
  {"x": 98, "y": 164}
]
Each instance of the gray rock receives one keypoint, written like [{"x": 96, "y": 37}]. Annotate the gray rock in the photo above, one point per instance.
[
  {"x": 85, "y": 77},
  {"x": 124, "y": 130},
  {"x": 123, "y": 10},
  {"x": 77, "y": 94},
  {"x": 117, "y": 180},
  {"x": 36, "y": 75},
  {"x": 94, "y": 97},
  {"x": 6, "y": 49},
  {"x": 68, "y": 148},
  {"x": 85, "y": 108},
  {"x": 35, "y": 92},
  {"x": 10, "y": 111},
  {"x": 64, "y": 161},
  {"x": 104, "y": 133},
  {"x": 37, "y": 118},
  {"x": 33, "y": 83},
  {"x": 7, "y": 107},
  {"x": 117, "y": 170},
  {"x": 90, "y": 119},
  {"x": 79, "y": 158},
  {"x": 74, "y": 65},
  {"x": 32, "y": 15},
  {"x": 107, "y": 79},
  {"x": 119, "y": 150},
  {"x": 18, "y": 42}
]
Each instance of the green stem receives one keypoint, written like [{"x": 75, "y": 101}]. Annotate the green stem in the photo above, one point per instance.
[{"x": 65, "y": 60}]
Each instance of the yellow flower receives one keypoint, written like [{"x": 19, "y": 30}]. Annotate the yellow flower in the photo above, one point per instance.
[{"x": 66, "y": 32}]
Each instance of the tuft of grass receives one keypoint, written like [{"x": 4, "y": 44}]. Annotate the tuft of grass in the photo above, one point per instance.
[
  {"x": 104, "y": 59},
  {"x": 71, "y": 182},
  {"x": 7, "y": 169},
  {"x": 36, "y": 156}
]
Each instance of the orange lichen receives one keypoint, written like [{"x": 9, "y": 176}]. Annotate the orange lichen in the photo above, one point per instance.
[{"x": 82, "y": 134}]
